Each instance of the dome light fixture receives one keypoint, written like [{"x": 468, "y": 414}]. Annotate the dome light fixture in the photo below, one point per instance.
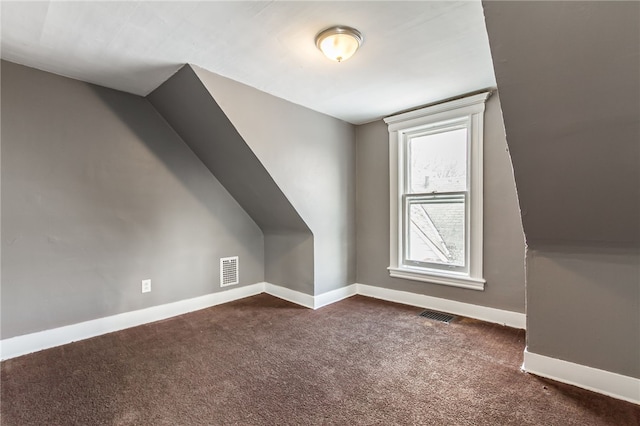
[{"x": 339, "y": 43}]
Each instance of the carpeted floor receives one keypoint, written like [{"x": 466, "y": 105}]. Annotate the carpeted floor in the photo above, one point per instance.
[{"x": 264, "y": 361}]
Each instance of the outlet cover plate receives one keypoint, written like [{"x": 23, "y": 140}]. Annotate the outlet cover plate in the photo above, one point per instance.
[{"x": 146, "y": 286}]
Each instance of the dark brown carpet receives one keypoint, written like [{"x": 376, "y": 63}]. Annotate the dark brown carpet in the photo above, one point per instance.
[{"x": 264, "y": 361}]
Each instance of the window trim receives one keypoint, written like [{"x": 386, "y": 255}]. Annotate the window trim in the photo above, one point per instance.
[{"x": 405, "y": 125}]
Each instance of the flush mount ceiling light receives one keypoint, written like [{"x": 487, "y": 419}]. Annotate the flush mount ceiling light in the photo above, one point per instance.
[{"x": 339, "y": 43}]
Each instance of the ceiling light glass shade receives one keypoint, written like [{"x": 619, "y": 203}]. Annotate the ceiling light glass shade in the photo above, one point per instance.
[{"x": 339, "y": 43}]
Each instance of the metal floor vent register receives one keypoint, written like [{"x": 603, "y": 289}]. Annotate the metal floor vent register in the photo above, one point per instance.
[
  {"x": 437, "y": 316},
  {"x": 228, "y": 271}
]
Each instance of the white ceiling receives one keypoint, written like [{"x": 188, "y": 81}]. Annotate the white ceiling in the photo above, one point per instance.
[{"x": 414, "y": 53}]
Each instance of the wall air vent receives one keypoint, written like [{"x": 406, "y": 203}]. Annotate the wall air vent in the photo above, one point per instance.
[
  {"x": 437, "y": 316},
  {"x": 228, "y": 271}
]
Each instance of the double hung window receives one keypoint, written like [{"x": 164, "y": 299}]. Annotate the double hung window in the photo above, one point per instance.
[{"x": 436, "y": 193}]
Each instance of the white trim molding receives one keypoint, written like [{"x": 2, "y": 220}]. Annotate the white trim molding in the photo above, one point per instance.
[
  {"x": 334, "y": 296},
  {"x": 308, "y": 301},
  {"x": 498, "y": 316},
  {"x": 601, "y": 381},
  {"x": 33, "y": 342},
  {"x": 440, "y": 111},
  {"x": 289, "y": 295},
  {"x": 467, "y": 113},
  {"x": 28, "y": 343},
  {"x": 434, "y": 278}
]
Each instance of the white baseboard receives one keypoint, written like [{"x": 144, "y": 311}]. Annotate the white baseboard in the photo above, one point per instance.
[
  {"x": 499, "y": 316},
  {"x": 334, "y": 296},
  {"x": 601, "y": 381},
  {"x": 28, "y": 343},
  {"x": 308, "y": 301},
  {"x": 605, "y": 382},
  {"x": 287, "y": 294},
  {"x": 33, "y": 342}
]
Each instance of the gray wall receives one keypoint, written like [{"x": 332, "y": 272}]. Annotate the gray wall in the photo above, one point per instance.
[
  {"x": 568, "y": 74},
  {"x": 504, "y": 248},
  {"x": 582, "y": 306},
  {"x": 195, "y": 115},
  {"x": 568, "y": 79},
  {"x": 311, "y": 157},
  {"x": 289, "y": 260},
  {"x": 98, "y": 193}
]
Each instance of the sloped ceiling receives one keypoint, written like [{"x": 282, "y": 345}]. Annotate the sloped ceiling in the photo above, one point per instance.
[
  {"x": 414, "y": 53},
  {"x": 569, "y": 81},
  {"x": 188, "y": 107}
]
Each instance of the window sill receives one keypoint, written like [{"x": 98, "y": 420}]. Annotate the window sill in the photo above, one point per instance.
[{"x": 434, "y": 278}]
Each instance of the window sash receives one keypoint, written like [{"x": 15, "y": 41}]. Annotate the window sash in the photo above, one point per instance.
[
  {"x": 406, "y": 196},
  {"x": 436, "y": 128},
  {"x": 439, "y": 198}
]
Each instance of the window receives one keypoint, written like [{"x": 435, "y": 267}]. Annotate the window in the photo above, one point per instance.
[{"x": 436, "y": 193}]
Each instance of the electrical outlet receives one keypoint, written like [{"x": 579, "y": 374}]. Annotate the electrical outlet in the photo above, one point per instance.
[{"x": 146, "y": 286}]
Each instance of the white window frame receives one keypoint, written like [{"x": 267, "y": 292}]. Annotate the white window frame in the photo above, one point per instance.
[{"x": 402, "y": 127}]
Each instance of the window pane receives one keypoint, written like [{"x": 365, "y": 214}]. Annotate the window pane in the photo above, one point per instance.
[
  {"x": 438, "y": 162},
  {"x": 437, "y": 230}
]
